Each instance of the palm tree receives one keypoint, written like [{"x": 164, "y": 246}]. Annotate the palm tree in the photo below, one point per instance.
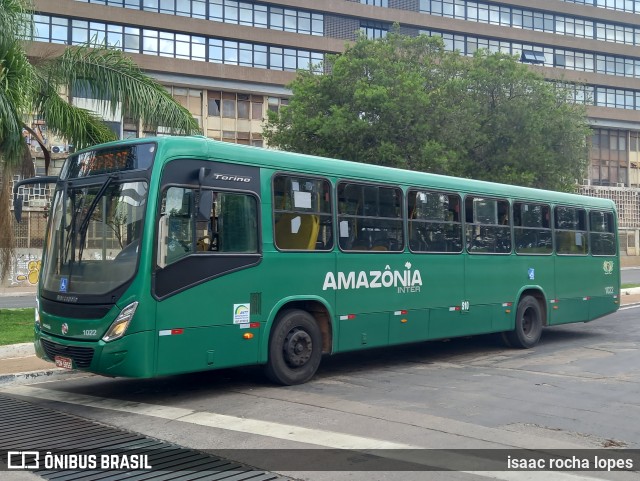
[{"x": 31, "y": 87}]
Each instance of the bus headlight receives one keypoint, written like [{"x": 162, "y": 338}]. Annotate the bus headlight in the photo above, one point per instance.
[{"x": 120, "y": 325}]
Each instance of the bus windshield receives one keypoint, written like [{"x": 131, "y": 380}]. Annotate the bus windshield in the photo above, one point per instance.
[{"x": 94, "y": 237}]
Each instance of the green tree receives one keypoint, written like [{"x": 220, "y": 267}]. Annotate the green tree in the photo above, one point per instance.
[
  {"x": 31, "y": 87},
  {"x": 406, "y": 102},
  {"x": 526, "y": 131}
]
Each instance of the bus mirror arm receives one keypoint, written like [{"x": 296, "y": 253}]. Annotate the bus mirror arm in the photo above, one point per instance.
[
  {"x": 17, "y": 199},
  {"x": 203, "y": 174},
  {"x": 206, "y": 196}
]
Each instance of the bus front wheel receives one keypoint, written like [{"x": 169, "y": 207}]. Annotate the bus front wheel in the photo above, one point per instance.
[
  {"x": 528, "y": 327},
  {"x": 295, "y": 348}
]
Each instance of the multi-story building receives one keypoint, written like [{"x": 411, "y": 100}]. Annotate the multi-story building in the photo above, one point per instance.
[{"x": 228, "y": 61}]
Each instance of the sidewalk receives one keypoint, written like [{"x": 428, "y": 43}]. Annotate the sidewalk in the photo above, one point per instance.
[{"x": 18, "y": 362}]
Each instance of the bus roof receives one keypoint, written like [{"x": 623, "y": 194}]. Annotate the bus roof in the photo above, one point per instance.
[{"x": 200, "y": 146}]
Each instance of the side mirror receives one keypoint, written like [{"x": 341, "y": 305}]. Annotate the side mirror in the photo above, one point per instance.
[
  {"x": 204, "y": 205},
  {"x": 17, "y": 206},
  {"x": 17, "y": 199}
]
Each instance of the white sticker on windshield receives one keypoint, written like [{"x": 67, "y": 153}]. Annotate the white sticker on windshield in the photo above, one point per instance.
[{"x": 302, "y": 200}]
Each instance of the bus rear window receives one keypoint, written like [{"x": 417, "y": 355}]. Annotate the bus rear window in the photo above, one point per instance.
[{"x": 602, "y": 233}]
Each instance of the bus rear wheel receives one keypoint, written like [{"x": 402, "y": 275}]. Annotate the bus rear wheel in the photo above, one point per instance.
[
  {"x": 528, "y": 327},
  {"x": 295, "y": 348}
]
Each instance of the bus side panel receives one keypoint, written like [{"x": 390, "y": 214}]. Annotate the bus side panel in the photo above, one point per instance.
[
  {"x": 443, "y": 293},
  {"x": 203, "y": 327},
  {"x": 533, "y": 272},
  {"x": 364, "y": 331},
  {"x": 203, "y": 348},
  {"x": 408, "y": 326},
  {"x": 604, "y": 287},
  {"x": 490, "y": 281},
  {"x": 574, "y": 274}
]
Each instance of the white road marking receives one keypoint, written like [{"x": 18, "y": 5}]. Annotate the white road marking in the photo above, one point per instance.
[
  {"x": 633, "y": 306},
  {"x": 326, "y": 439},
  {"x": 221, "y": 421}
]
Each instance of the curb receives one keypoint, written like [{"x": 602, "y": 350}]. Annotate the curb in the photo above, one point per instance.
[
  {"x": 26, "y": 350},
  {"x": 17, "y": 350},
  {"x": 630, "y": 291},
  {"x": 24, "y": 377}
]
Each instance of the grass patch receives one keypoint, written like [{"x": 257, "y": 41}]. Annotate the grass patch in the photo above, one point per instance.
[
  {"x": 629, "y": 286},
  {"x": 16, "y": 325}
]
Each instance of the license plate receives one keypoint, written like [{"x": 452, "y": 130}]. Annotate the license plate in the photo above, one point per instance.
[{"x": 64, "y": 362}]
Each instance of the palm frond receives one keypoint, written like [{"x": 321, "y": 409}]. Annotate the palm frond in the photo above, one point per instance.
[
  {"x": 15, "y": 21},
  {"x": 109, "y": 74},
  {"x": 16, "y": 92},
  {"x": 79, "y": 126}
]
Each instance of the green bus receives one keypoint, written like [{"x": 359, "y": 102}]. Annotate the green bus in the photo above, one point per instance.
[{"x": 171, "y": 255}]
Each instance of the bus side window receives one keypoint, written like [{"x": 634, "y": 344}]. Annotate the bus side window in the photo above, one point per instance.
[
  {"x": 531, "y": 228},
  {"x": 228, "y": 222},
  {"x": 571, "y": 231},
  {"x": 370, "y": 217},
  {"x": 302, "y": 213},
  {"x": 434, "y": 222},
  {"x": 488, "y": 228},
  {"x": 176, "y": 232},
  {"x": 235, "y": 223}
]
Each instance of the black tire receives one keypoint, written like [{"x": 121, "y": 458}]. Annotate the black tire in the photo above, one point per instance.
[
  {"x": 528, "y": 324},
  {"x": 295, "y": 348}
]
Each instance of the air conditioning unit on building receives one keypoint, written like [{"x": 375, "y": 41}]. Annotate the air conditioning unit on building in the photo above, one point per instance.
[
  {"x": 586, "y": 181},
  {"x": 36, "y": 148},
  {"x": 58, "y": 149}
]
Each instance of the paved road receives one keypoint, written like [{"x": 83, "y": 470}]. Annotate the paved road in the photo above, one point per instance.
[
  {"x": 631, "y": 275},
  {"x": 579, "y": 388},
  {"x": 10, "y": 302}
]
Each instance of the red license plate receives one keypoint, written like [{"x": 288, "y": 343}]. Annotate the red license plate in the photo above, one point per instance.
[{"x": 64, "y": 362}]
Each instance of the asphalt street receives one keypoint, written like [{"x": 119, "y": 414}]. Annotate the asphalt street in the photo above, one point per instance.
[{"x": 578, "y": 389}]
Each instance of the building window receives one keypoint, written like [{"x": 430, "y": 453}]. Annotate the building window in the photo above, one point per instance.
[
  {"x": 530, "y": 56},
  {"x": 374, "y": 30}
]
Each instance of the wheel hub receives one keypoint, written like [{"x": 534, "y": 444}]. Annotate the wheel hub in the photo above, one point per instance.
[{"x": 297, "y": 348}]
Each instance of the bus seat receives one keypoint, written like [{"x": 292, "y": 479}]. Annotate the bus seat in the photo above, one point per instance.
[{"x": 306, "y": 236}]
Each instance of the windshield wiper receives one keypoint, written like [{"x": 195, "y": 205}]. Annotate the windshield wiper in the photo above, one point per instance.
[
  {"x": 71, "y": 227},
  {"x": 87, "y": 218}
]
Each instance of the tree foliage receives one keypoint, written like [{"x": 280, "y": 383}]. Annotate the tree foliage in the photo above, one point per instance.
[
  {"x": 31, "y": 87},
  {"x": 406, "y": 102}
]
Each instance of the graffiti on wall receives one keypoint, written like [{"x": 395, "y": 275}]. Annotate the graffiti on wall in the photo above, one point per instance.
[{"x": 25, "y": 271}]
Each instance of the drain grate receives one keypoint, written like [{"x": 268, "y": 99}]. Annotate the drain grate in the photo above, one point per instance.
[{"x": 27, "y": 427}]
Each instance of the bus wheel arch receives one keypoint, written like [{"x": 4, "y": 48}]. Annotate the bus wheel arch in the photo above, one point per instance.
[
  {"x": 531, "y": 316},
  {"x": 299, "y": 335}
]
